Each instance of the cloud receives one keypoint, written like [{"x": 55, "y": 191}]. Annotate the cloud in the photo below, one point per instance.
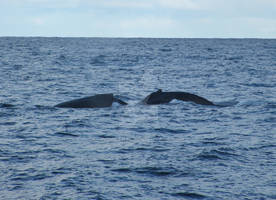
[
  {"x": 146, "y": 26},
  {"x": 269, "y": 2},
  {"x": 150, "y": 4},
  {"x": 262, "y": 26},
  {"x": 148, "y": 18},
  {"x": 38, "y": 21},
  {"x": 179, "y": 4},
  {"x": 193, "y": 5},
  {"x": 125, "y": 4},
  {"x": 175, "y": 4},
  {"x": 41, "y": 3},
  {"x": 144, "y": 4}
]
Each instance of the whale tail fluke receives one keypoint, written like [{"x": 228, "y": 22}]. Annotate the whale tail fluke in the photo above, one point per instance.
[{"x": 183, "y": 96}]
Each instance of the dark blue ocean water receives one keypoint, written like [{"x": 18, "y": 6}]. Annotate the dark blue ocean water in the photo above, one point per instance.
[{"x": 173, "y": 151}]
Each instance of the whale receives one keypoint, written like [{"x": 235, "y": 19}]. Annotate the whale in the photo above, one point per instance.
[
  {"x": 96, "y": 101},
  {"x": 160, "y": 97}
]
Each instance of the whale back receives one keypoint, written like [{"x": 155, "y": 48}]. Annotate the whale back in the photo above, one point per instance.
[{"x": 97, "y": 101}]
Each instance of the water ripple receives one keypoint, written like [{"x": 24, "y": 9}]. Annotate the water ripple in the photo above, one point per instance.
[
  {"x": 189, "y": 195},
  {"x": 175, "y": 151}
]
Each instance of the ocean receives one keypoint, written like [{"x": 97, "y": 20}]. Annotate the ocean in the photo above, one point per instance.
[{"x": 178, "y": 150}]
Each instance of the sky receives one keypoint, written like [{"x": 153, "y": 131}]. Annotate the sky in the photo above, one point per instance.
[{"x": 139, "y": 18}]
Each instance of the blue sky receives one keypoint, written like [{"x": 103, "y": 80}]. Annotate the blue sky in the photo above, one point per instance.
[{"x": 139, "y": 18}]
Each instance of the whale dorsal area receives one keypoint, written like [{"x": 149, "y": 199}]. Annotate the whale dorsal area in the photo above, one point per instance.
[{"x": 97, "y": 101}]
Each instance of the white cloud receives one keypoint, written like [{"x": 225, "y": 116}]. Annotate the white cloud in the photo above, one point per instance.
[
  {"x": 126, "y": 4},
  {"x": 148, "y": 4},
  {"x": 38, "y": 21},
  {"x": 173, "y": 4},
  {"x": 262, "y": 26},
  {"x": 176, "y": 4},
  {"x": 148, "y": 18},
  {"x": 146, "y": 24},
  {"x": 179, "y": 4},
  {"x": 269, "y": 2},
  {"x": 41, "y": 3}
]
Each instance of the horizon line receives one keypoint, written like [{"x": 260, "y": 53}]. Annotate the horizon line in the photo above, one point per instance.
[{"x": 134, "y": 37}]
